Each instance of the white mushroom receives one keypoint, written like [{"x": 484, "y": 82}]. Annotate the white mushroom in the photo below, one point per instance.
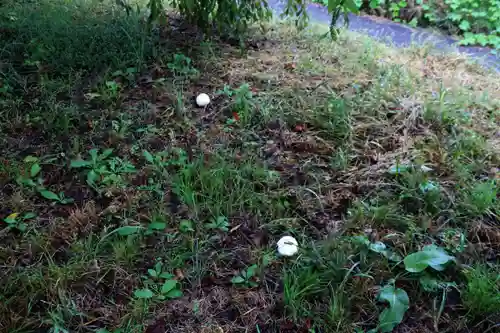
[
  {"x": 202, "y": 100},
  {"x": 287, "y": 246}
]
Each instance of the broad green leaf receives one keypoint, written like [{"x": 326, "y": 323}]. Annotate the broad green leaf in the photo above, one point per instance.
[
  {"x": 106, "y": 153},
  {"x": 398, "y": 304},
  {"x": 351, "y": 6},
  {"x": 428, "y": 186},
  {"x": 29, "y": 215},
  {"x": 392, "y": 256},
  {"x": 35, "y": 170},
  {"x": 333, "y": 4},
  {"x": 30, "y": 159},
  {"x": 251, "y": 271},
  {"x": 186, "y": 226},
  {"x": 128, "y": 230},
  {"x": 166, "y": 275},
  {"x": 49, "y": 195},
  {"x": 11, "y": 218},
  {"x": 464, "y": 25},
  {"x": 92, "y": 177},
  {"x": 143, "y": 293},
  {"x": 148, "y": 156},
  {"x": 398, "y": 169},
  {"x": 22, "y": 226},
  {"x": 152, "y": 272},
  {"x": 175, "y": 293},
  {"x": 80, "y": 164},
  {"x": 361, "y": 239},
  {"x": 378, "y": 247},
  {"x": 157, "y": 225},
  {"x": 237, "y": 279},
  {"x": 168, "y": 286},
  {"x": 430, "y": 255}
]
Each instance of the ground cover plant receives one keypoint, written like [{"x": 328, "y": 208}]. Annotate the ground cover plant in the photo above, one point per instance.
[
  {"x": 127, "y": 208},
  {"x": 475, "y": 21}
]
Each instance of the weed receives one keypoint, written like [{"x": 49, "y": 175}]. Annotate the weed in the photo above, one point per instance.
[
  {"x": 158, "y": 223},
  {"x": 246, "y": 278},
  {"x": 159, "y": 284},
  {"x": 398, "y": 305},
  {"x": 60, "y": 198},
  {"x": 182, "y": 66},
  {"x": 242, "y": 103},
  {"x": 16, "y": 221},
  {"x": 186, "y": 226},
  {"x": 482, "y": 293},
  {"x": 481, "y": 198},
  {"x": 31, "y": 178},
  {"x": 219, "y": 223},
  {"x": 104, "y": 170}
]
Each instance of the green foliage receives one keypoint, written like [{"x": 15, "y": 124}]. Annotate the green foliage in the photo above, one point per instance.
[
  {"x": 399, "y": 303},
  {"x": 31, "y": 176},
  {"x": 60, "y": 198},
  {"x": 159, "y": 284},
  {"x": 242, "y": 103},
  {"x": 157, "y": 224},
  {"x": 226, "y": 14},
  {"x": 378, "y": 247},
  {"x": 338, "y": 8},
  {"x": 186, "y": 226},
  {"x": 236, "y": 16},
  {"x": 395, "y": 8},
  {"x": 219, "y": 223},
  {"x": 99, "y": 37},
  {"x": 482, "y": 293},
  {"x": 481, "y": 198},
  {"x": 15, "y": 221},
  {"x": 431, "y": 255},
  {"x": 104, "y": 170},
  {"x": 246, "y": 278},
  {"x": 182, "y": 66},
  {"x": 478, "y": 20}
]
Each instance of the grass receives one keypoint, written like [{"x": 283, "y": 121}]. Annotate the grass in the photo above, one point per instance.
[{"x": 126, "y": 207}]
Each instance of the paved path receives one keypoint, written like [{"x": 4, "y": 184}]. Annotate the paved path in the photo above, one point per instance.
[{"x": 398, "y": 34}]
